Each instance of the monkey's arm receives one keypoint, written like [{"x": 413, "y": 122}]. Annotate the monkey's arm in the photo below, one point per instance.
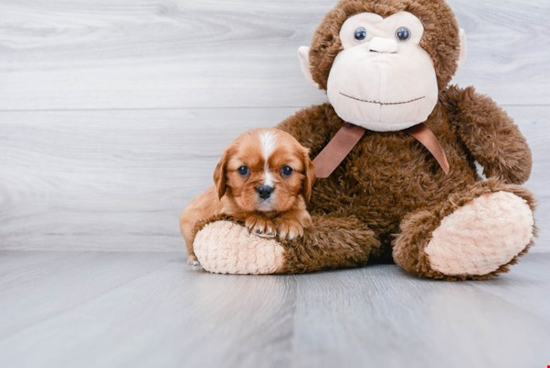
[
  {"x": 313, "y": 127},
  {"x": 331, "y": 242},
  {"x": 490, "y": 135}
]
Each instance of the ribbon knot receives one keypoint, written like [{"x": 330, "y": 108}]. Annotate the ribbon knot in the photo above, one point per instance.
[{"x": 349, "y": 135}]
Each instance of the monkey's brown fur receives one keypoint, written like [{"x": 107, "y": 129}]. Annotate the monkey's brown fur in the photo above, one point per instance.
[{"x": 387, "y": 197}]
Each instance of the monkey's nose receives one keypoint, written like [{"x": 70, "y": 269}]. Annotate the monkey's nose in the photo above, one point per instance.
[
  {"x": 264, "y": 191},
  {"x": 383, "y": 45}
]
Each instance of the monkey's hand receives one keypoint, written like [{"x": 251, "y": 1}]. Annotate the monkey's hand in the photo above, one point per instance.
[
  {"x": 490, "y": 135},
  {"x": 222, "y": 245}
]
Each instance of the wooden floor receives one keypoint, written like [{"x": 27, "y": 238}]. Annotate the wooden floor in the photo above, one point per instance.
[
  {"x": 113, "y": 114},
  {"x": 138, "y": 309}
]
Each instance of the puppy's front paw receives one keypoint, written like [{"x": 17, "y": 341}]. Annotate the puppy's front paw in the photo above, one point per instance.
[
  {"x": 289, "y": 228},
  {"x": 261, "y": 226},
  {"x": 192, "y": 260}
]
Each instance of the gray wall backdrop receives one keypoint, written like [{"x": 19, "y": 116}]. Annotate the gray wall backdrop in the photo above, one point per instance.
[{"x": 113, "y": 113}]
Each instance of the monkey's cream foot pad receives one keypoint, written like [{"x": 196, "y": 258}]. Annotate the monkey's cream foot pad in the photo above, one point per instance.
[
  {"x": 225, "y": 247},
  {"x": 482, "y": 236}
]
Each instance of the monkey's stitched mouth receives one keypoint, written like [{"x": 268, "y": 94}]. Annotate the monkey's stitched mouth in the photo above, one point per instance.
[{"x": 383, "y": 103}]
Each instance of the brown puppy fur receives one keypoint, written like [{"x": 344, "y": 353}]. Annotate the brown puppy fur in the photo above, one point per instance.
[
  {"x": 256, "y": 163},
  {"x": 389, "y": 187}
]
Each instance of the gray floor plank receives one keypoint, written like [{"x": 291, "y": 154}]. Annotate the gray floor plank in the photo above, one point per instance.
[
  {"x": 19, "y": 262},
  {"x": 526, "y": 288},
  {"x": 172, "y": 54},
  {"x": 385, "y": 318},
  {"x": 151, "y": 310},
  {"x": 52, "y": 285},
  {"x": 174, "y": 316}
]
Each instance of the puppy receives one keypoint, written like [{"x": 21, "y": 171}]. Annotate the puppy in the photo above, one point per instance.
[{"x": 264, "y": 179}]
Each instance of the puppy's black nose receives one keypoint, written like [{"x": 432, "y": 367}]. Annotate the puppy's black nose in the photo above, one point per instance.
[{"x": 264, "y": 191}]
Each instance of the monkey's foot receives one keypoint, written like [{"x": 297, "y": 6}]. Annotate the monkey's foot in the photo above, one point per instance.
[
  {"x": 477, "y": 240},
  {"x": 229, "y": 248}
]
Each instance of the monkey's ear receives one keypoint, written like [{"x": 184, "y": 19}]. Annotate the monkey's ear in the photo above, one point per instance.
[
  {"x": 463, "y": 48},
  {"x": 220, "y": 175},
  {"x": 303, "y": 56}
]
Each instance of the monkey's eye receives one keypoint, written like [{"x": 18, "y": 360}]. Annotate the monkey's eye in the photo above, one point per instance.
[
  {"x": 286, "y": 171},
  {"x": 403, "y": 34},
  {"x": 243, "y": 170},
  {"x": 360, "y": 34}
]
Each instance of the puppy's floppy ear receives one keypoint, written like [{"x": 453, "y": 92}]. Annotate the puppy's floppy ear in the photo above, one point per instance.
[
  {"x": 309, "y": 172},
  {"x": 220, "y": 175}
]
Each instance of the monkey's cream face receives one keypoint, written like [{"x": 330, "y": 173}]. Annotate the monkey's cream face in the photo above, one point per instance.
[{"x": 383, "y": 80}]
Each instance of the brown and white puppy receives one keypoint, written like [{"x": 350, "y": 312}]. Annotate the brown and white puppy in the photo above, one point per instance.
[{"x": 263, "y": 179}]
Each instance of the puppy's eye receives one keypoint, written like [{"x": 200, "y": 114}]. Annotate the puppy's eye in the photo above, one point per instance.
[
  {"x": 403, "y": 34},
  {"x": 286, "y": 171},
  {"x": 360, "y": 34},
  {"x": 243, "y": 170}
]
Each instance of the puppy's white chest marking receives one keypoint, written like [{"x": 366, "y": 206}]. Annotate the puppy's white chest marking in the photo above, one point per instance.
[{"x": 268, "y": 141}]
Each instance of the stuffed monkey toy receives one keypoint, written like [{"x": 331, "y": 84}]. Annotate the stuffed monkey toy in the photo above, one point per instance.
[{"x": 395, "y": 152}]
